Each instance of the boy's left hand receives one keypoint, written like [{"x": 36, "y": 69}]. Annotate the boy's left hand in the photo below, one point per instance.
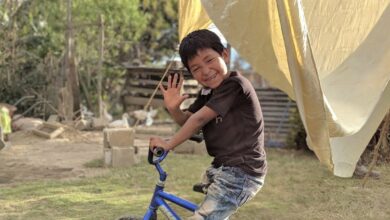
[{"x": 158, "y": 142}]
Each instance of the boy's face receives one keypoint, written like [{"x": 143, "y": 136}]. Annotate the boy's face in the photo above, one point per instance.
[{"x": 209, "y": 67}]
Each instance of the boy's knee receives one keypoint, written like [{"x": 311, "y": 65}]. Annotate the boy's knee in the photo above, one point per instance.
[{"x": 212, "y": 209}]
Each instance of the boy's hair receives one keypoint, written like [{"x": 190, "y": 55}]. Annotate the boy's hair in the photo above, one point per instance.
[{"x": 197, "y": 40}]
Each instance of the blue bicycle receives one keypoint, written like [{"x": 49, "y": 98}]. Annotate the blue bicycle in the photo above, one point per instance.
[{"x": 160, "y": 197}]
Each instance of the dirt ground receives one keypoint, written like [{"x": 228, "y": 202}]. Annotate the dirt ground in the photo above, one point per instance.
[{"x": 30, "y": 157}]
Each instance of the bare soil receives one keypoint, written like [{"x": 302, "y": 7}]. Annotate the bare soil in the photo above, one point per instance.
[{"x": 29, "y": 157}]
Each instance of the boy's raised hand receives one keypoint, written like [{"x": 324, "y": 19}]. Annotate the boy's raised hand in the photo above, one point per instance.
[{"x": 172, "y": 96}]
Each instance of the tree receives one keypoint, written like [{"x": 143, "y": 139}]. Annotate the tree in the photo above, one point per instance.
[
  {"x": 33, "y": 45},
  {"x": 161, "y": 39}
]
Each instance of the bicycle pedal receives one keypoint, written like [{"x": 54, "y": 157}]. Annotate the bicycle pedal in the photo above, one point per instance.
[{"x": 200, "y": 187}]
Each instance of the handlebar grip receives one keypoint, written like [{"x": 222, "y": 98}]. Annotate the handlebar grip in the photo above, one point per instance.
[{"x": 158, "y": 151}]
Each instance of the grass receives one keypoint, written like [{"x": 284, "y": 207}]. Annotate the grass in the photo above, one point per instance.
[
  {"x": 97, "y": 163},
  {"x": 297, "y": 187}
]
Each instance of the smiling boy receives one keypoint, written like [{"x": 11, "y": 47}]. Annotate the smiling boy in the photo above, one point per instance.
[{"x": 228, "y": 112}]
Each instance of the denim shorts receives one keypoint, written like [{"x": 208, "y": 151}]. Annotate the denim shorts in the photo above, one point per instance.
[{"x": 228, "y": 189}]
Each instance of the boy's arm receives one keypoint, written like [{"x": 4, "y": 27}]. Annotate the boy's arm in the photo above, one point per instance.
[
  {"x": 193, "y": 124},
  {"x": 179, "y": 116}
]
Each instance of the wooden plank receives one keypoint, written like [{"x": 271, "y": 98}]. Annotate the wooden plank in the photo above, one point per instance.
[
  {"x": 280, "y": 114},
  {"x": 48, "y": 130},
  {"x": 266, "y": 108},
  {"x": 274, "y": 99},
  {"x": 143, "y": 90},
  {"x": 276, "y": 119},
  {"x": 275, "y": 130},
  {"x": 278, "y": 124},
  {"x": 130, "y": 100},
  {"x": 153, "y": 83},
  {"x": 273, "y": 104},
  {"x": 132, "y": 90},
  {"x": 131, "y": 71},
  {"x": 265, "y": 94}
]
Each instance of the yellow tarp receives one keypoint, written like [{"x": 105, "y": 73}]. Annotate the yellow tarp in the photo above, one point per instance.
[
  {"x": 192, "y": 16},
  {"x": 5, "y": 120},
  {"x": 331, "y": 56}
]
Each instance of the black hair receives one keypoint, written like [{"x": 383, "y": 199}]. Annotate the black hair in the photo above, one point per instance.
[{"x": 196, "y": 40}]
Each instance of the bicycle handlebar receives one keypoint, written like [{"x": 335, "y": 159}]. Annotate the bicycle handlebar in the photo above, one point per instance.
[{"x": 160, "y": 153}]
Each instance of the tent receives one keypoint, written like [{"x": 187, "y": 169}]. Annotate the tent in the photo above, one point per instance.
[{"x": 331, "y": 56}]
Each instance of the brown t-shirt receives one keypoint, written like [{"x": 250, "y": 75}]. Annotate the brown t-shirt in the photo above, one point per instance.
[{"x": 236, "y": 136}]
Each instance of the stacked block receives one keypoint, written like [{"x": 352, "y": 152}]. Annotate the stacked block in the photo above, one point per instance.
[
  {"x": 191, "y": 147},
  {"x": 119, "y": 150}
]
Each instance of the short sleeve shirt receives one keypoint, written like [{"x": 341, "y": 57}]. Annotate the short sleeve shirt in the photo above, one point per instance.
[{"x": 236, "y": 136}]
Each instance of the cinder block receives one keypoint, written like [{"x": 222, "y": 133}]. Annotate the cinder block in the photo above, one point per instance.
[
  {"x": 185, "y": 148},
  {"x": 98, "y": 123},
  {"x": 107, "y": 152},
  {"x": 200, "y": 148},
  {"x": 119, "y": 137},
  {"x": 49, "y": 130},
  {"x": 191, "y": 147},
  {"x": 123, "y": 157}
]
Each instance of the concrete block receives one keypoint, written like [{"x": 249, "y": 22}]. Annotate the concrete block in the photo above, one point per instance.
[
  {"x": 185, "y": 148},
  {"x": 124, "y": 157},
  {"x": 200, "y": 148},
  {"x": 107, "y": 152},
  {"x": 49, "y": 130},
  {"x": 191, "y": 147},
  {"x": 155, "y": 130},
  {"x": 119, "y": 137},
  {"x": 98, "y": 123}
]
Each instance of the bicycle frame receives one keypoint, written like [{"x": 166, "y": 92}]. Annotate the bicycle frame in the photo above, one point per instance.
[{"x": 159, "y": 196}]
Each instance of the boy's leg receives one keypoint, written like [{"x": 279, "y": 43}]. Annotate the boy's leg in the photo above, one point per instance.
[{"x": 230, "y": 189}]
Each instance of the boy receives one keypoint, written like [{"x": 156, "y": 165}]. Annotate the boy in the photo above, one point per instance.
[{"x": 229, "y": 114}]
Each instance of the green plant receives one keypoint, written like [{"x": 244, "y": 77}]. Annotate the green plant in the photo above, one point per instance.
[
  {"x": 97, "y": 163},
  {"x": 297, "y": 135}
]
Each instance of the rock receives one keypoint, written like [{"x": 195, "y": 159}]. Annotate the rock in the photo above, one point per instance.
[
  {"x": 361, "y": 171},
  {"x": 26, "y": 124}
]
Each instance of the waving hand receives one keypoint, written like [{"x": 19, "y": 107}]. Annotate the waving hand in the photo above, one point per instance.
[{"x": 172, "y": 96}]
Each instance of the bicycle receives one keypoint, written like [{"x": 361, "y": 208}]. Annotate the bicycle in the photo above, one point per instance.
[{"x": 160, "y": 197}]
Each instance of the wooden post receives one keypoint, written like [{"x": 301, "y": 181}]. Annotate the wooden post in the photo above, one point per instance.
[
  {"x": 12, "y": 36},
  {"x": 72, "y": 106},
  {"x": 100, "y": 64}
]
